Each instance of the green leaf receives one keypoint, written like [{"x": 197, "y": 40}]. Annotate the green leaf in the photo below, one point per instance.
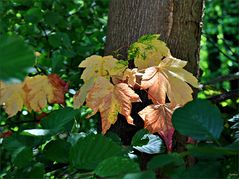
[
  {"x": 140, "y": 175},
  {"x": 138, "y": 139},
  {"x": 15, "y": 57},
  {"x": 116, "y": 166},
  {"x": 211, "y": 151},
  {"x": 198, "y": 119},
  {"x": 88, "y": 152},
  {"x": 153, "y": 146},
  {"x": 203, "y": 170},
  {"x": 34, "y": 15},
  {"x": 35, "y": 171},
  {"x": 62, "y": 119},
  {"x": 36, "y": 132},
  {"x": 52, "y": 18},
  {"x": 57, "y": 150},
  {"x": 164, "y": 160},
  {"x": 22, "y": 156}
]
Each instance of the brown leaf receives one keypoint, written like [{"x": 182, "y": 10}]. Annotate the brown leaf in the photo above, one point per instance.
[{"x": 158, "y": 119}]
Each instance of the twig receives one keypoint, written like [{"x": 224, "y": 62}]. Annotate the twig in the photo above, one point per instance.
[
  {"x": 215, "y": 45},
  {"x": 230, "y": 77},
  {"x": 222, "y": 97}
]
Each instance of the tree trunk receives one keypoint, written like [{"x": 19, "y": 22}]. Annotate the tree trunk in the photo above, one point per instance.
[{"x": 179, "y": 24}]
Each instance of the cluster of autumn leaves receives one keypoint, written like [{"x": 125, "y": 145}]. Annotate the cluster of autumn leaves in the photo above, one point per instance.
[{"x": 108, "y": 87}]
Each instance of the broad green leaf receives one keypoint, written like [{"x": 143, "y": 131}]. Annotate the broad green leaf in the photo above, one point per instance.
[
  {"x": 203, "y": 170},
  {"x": 116, "y": 166},
  {"x": 198, "y": 119},
  {"x": 15, "y": 57},
  {"x": 140, "y": 175},
  {"x": 88, "y": 152},
  {"x": 138, "y": 139},
  {"x": 57, "y": 150},
  {"x": 163, "y": 160},
  {"x": 22, "y": 156},
  {"x": 212, "y": 151},
  {"x": 61, "y": 119}
]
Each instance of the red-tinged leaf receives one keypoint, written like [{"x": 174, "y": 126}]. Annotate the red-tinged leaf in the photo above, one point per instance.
[
  {"x": 110, "y": 100},
  {"x": 158, "y": 118},
  {"x": 6, "y": 134},
  {"x": 41, "y": 90},
  {"x": 60, "y": 87}
]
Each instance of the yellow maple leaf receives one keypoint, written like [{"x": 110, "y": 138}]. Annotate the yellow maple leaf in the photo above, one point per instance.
[
  {"x": 109, "y": 100},
  {"x": 80, "y": 96},
  {"x": 12, "y": 98},
  {"x": 169, "y": 78},
  {"x": 96, "y": 65},
  {"x": 148, "y": 51}
]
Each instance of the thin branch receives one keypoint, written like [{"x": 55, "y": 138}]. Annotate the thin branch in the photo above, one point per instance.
[
  {"x": 226, "y": 44},
  {"x": 230, "y": 77},
  {"x": 222, "y": 97},
  {"x": 215, "y": 45}
]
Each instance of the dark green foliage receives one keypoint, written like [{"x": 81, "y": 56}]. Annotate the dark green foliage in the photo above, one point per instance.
[
  {"x": 203, "y": 124},
  {"x": 116, "y": 166},
  {"x": 57, "y": 150},
  {"x": 15, "y": 57},
  {"x": 88, "y": 152}
]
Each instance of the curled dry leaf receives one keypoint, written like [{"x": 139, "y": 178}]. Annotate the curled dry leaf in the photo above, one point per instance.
[
  {"x": 12, "y": 98},
  {"x": 158, "y": 119},
  {"x": 169, "y": 79},
  {"x": 109, "y": 100}
]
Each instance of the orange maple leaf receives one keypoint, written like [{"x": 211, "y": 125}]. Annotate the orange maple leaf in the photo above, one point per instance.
[
  {"x": 158, "y": 119},
  {"x": 110, "y": 100},
  {"x": 169, "y": 79},
  {"x": 42, "y": 89}
]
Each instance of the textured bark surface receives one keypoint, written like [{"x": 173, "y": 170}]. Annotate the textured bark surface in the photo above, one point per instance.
[{"x": 178, "y": 22}]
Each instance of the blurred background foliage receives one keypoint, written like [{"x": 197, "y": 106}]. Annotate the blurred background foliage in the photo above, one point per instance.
[{"x": 219, "y": 53}]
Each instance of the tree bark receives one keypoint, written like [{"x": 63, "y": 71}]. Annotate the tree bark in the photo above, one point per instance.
[{"x": 179, "y": 24}]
